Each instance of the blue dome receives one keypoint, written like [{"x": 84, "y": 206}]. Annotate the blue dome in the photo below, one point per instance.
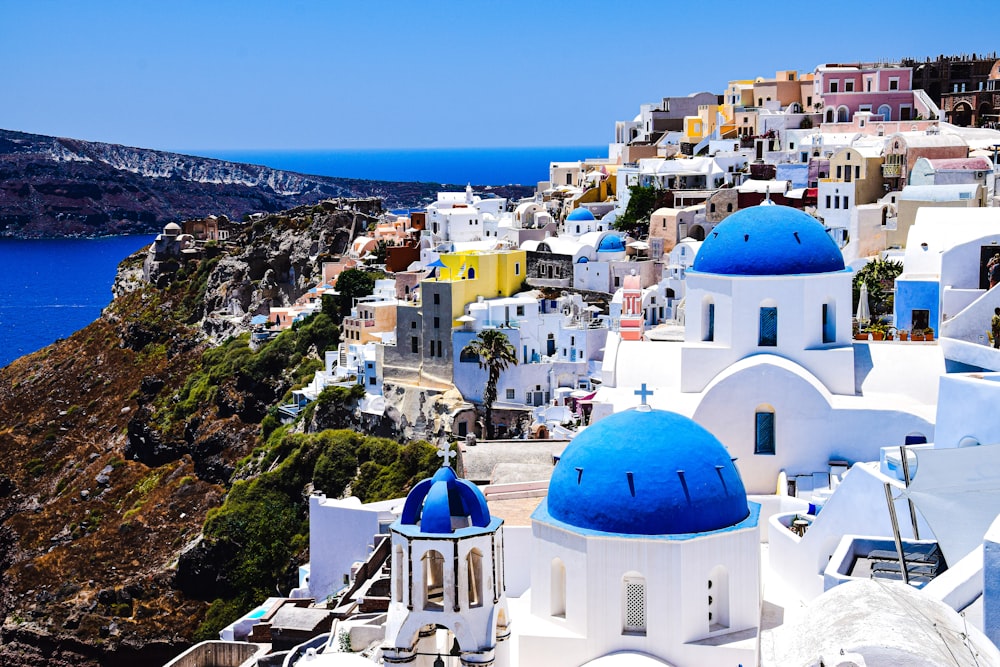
[
  {"x": 445, "y": 503},
  {"x": 580, "y": 214},
  {"x": 611, "y": 243},
  {"x": 768, "y": 240},
  {"x": 647, "y": 473}
]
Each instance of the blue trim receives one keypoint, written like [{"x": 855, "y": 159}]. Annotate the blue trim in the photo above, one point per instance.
[
  {"x": 471, "y": 531},
  {"x": 542, "y": 515},
  {"x": 433, "y": 502}
]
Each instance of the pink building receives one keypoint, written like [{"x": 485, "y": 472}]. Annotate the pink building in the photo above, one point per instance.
[{"x": 883, "y": 91}]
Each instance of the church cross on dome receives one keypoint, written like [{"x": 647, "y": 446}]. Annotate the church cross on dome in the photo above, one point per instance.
[
  {"x": 444, "y": 451},
  {"x": 643, "y": 394}
]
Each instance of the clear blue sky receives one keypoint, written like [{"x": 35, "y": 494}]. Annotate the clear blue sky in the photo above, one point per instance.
[{"x": 367, "y": 74}]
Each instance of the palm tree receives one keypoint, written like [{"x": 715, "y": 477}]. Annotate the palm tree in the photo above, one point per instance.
[{"x": 495, "y": 354}]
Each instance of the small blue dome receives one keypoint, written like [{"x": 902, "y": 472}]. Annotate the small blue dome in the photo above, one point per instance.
[
  {"x": 445, "y": 503},
  {"x": 768, "y": 240},
  {"x": 611, "y": 243},
  {"x": 647, "y": 473},
  {"x": 580, "y": 214}
]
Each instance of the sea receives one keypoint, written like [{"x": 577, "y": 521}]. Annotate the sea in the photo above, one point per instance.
[{"x": 51, "y": 288}]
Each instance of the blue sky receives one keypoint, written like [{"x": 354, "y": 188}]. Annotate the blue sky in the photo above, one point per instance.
[{"x": 368, "y": 74}]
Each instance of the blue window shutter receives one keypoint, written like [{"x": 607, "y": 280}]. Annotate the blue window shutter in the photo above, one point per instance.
[
  {"x": 764, "y": 442},
  {"x": 768, "y": 327}
]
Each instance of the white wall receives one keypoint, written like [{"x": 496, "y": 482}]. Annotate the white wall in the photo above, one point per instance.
[
  {"x": 340, "y": 533},
  {"x": 963, "y": 415}
]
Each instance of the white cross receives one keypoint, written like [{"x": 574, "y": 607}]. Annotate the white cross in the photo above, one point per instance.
[
  {"x": 444, "y": 451},
  {"x": 643, "y": 393}
]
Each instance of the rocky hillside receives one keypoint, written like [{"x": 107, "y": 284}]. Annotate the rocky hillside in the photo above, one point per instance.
[
  {"x": 148, "y": 494},
  {"x": 52, "y": 186}
]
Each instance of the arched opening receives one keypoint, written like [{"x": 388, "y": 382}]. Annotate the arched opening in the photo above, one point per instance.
[
  {"x": 471, "y": 273},
  {"x": 885, "y": 111},
  {"x": 983, "y": 114},
  {"x": 962, "y": 114},
  {"x": 474, "y": 565},
  {"x": 763, "y": 442},
  {"x": 633, "y": 604},
  {"x": 718, "y": 599},
  {"x": 398, "y": 568},
  {"x": 968, "y": 441},
  {"x": 557, "y": 583},
  {"x": 830, "y": 321},
  {"x": 697, "y": 232},
  {"x": 670, "y": 293},
  {"x": 843, "y": 114},
  {"x": 433, "y": 566},
  {"x": 829, "y": 115},
  {"x": 708, "y": 319}
]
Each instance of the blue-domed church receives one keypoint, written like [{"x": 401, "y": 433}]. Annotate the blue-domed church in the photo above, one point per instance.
[{"x": 645, "y": 550}]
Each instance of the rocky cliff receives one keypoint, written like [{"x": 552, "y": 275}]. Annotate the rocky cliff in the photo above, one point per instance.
[
  {"x": 122, "y": 440},
  {"x": 53, "y": 186}
]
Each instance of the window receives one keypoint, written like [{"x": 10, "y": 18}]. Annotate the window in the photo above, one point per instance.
[
  {"x": 557, "y": 583},
  {"x": 399, "y": 573},
  {"x": 414, "y": 344},
  {"x": 433, "y": 563},
  {"x": 634, "y": 602},
  {"x": 708, "y": 325},
  {"x": 836, "y": 202},
  {"x": 839, "y": 172},
  {"x": 834, "y": 85},
  {"x": 764, "y": 432},
  {"x": 517, "y": 268},
  {"x": 718, "y": 599},
  {"x": 829, "y": 323},
  {"x": 372, "y": 379},
  {"x": 768, "y": 327},
  {"x": 857, "y": 171},
  {"x": 467, "y": 358},
  {"x": 520, "y": 311},
  {"x": 510, "y": 395},
  {"x": 439, "y": 348},
  {"x": 894, "y": 83},
  {"x": 847, "y": 201},
  {"x": 474, "y": 563},
  {"x": 437, "y": 299},
  {"x": 848, "y": 86},
  {"x": 828, "y": 201},
  {"x": 413, "y": 324},
  {"x": 437, "y": 322}
]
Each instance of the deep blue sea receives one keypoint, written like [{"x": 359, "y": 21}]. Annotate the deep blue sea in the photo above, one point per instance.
[
  {"x": 50, "y": 289},
  {"x": 479, "y": 166},
  {"x": 53, "y": 288}
]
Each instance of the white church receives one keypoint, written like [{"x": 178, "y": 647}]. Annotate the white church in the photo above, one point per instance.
[{"x": 645, "y": 548}]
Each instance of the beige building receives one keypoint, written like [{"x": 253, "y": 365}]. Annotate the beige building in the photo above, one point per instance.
[
  {"x": 368, "y": 320},
  {"x": 674, "y": 224}
]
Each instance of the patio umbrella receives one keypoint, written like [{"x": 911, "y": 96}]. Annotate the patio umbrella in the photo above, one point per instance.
[{"x": 864, "y": 313}]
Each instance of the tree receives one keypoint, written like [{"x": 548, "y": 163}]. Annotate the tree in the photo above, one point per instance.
[
  {"x": 880, "y": 277},
  {"x": 351, "y": 284},
  {"x": 496, "y": 354},
  {"x": 641, "y": 204}
]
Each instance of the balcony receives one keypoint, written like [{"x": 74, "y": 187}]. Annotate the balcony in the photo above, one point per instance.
[{"x": 892, "y": 170}]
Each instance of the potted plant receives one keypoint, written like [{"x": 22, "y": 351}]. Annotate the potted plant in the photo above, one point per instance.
[
  {"x": 928, "y": 333},
  {"x": 878, "y": 330},
  {"x": 902, "y": 334},
  {"x": 917, "y": 334}
]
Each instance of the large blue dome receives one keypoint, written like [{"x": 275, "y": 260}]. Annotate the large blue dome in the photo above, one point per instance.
[
  {"x": 580, "y": 214},
  {"x": 647, "y": 473},
  {"x": 445, "y": 503},
  {"x": 611, "y": 243},
  {"x": 768, "y": 240}
]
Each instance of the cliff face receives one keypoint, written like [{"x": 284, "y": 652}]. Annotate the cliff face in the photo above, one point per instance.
[
  {"x": 117, "y": 442},
  {"x": 52, "y": 186}
]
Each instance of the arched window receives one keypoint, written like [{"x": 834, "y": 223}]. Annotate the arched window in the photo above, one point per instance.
[
  {"x": 729, "y": 207},
  {"x": 885, "y": 111},
  {"x": 471, "y": 273},
  {"x": 633, "y": 604},
  {"x": 708, "y": 320},
  {"x": 433, "y": 566},
  {"x": 768, "y": 329},
  {"x": 718, "y": 599},
  {"x": 764, "y": 430},
  {"x": 557, "y": 597},
  {"x": 830, "y": 322},
  {"x": 842, "y": 114},
  {"x": 711, "y": 207},
  {"x": 474, "y": 563},
  {"x": 398, "y": 565}
]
